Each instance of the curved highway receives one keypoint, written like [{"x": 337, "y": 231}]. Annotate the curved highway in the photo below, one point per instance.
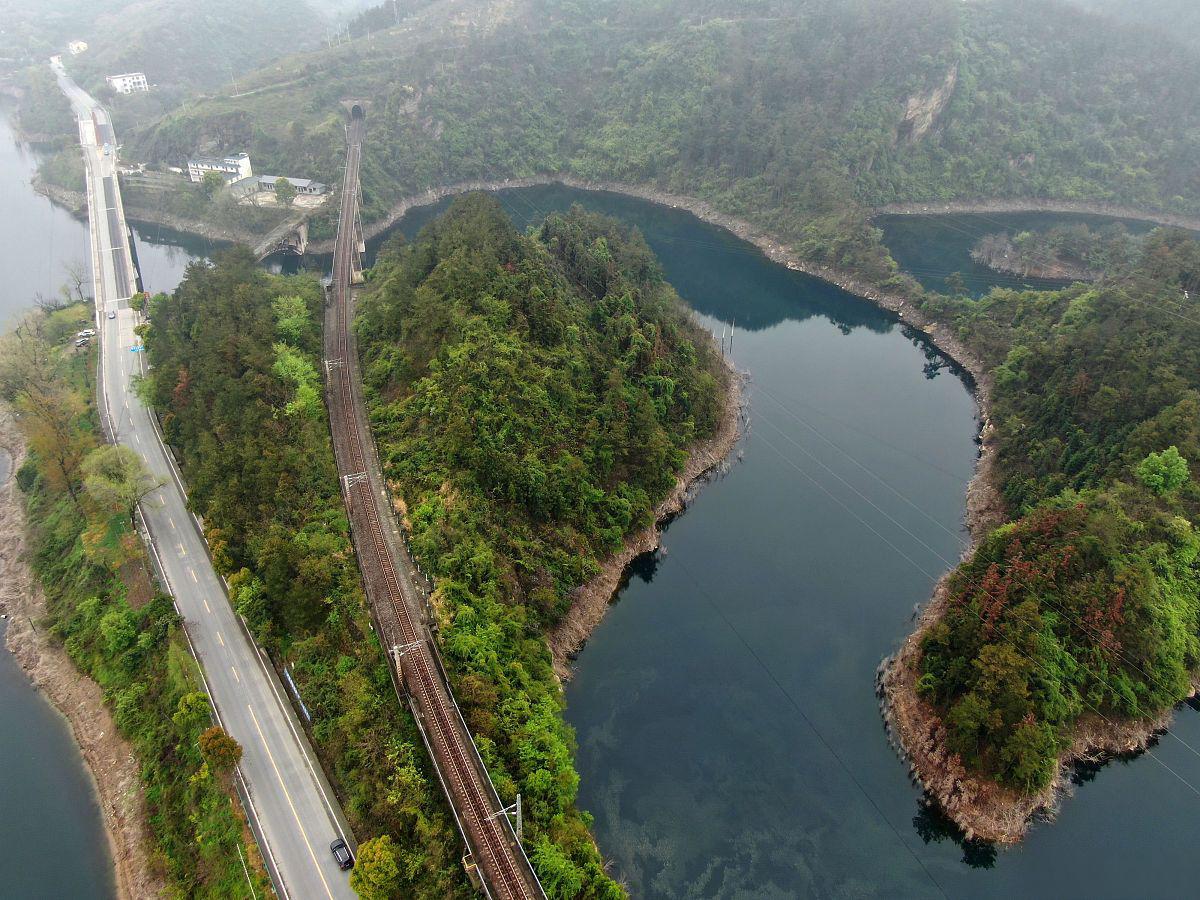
[{"x": 291, "y": 807}]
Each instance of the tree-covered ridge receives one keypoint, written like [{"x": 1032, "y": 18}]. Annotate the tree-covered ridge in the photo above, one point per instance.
[
  {"x": 1091, "y": 379},
  {"x": 236, "y": 355},
  {"x": 532, "y": 396},
  {"x": 1088, "y": 604},
  {"x": 780, "y": 111}
]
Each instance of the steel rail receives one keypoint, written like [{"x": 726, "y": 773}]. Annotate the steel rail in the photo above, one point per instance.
[{"x": 468, "y": 789}]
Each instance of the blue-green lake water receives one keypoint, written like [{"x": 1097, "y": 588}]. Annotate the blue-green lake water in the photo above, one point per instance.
[{"x": 730, "y": 743}]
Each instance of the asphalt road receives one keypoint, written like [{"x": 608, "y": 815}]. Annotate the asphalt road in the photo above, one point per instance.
[{"x": 294, "y": 811}]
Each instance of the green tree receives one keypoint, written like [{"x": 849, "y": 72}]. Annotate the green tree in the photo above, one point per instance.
[
  {"x": 211, "y": 184},
  {"x": 221, "y": 750},
  {"x": 1163, "y": 473},
  {"x": 191, "y": 711},
  {"x": 376, "y": 874},
  {"x": 115, "y": 478},
  {"x": 285, "y": 191}
]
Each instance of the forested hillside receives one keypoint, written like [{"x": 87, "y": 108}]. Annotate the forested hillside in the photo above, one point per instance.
[
  {"x": 781, "y": 112},
  {"x": 533, "y": 398},
  {"x": 235, "y": 354},
  {"x": 1087, "y": 605}
]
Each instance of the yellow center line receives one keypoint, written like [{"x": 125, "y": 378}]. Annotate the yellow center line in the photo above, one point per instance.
[{"x": 295, "y": 815}]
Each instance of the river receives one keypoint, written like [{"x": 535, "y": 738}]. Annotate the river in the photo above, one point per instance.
[
  {"x": 51, "y": 834},
  {"x": 730, "y": 743}
]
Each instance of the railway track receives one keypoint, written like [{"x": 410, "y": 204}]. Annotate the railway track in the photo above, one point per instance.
[{"x": 501, "y": 863}]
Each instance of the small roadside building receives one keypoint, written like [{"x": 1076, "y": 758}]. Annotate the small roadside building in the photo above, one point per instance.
[{"x": 303, "y": 186}]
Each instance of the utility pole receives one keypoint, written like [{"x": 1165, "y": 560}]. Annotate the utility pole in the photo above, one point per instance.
[{"x": 514, "y": 813}]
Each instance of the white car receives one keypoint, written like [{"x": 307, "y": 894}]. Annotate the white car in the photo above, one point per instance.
[
  {"x": 87, "y": 332},
  {"x": 112, "y": 314}
]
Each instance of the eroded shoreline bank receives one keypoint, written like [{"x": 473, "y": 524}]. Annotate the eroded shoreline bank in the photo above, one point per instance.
[
  {"x": 980, "y": 807},
  {"x": 1037, "y": 205},
  {"x": 592, "y": 600},
  {"x": 109, "y": 759}
]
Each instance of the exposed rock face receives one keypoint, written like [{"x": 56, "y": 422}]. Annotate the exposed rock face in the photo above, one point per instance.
[{"x": 924, "y": 110}]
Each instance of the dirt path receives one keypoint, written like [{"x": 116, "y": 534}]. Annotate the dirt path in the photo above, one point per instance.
[{"x": 109, "y": 757}]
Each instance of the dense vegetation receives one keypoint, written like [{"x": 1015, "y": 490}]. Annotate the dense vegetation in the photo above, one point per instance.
[
  {"x": 236, "y": 355},
  {"x": 116, "y": 626},
  {"x": 1064, "y": 251},
  {"x": 1088, "y": 604},
  {"x": 791, "y": 113},
  {"x": 532, "y": 397}
]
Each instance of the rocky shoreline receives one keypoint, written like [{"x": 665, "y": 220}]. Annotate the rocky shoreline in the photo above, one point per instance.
[
  {"x": 591, "y": 601},
  {"x": 1034, "y": 204},
  {"x": 980, "y": 807},
  {"x": 109, "y": 757}
]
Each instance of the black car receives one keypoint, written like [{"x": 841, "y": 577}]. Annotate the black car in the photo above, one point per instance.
[{"x": 342, "y": 854}]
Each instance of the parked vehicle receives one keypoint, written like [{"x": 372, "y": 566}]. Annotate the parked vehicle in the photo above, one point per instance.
[
  {"x": 341, "y": 853},
  {"x": 112, "y": 314},
  {"x": 87, "y": 333},
  {"x": 83, "y": 342}
]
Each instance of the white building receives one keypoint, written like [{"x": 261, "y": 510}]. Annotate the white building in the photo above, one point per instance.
[
  {"x": 128, "y": 83},
  {"x": 302, "y": 185},
  {"x": 77, "y": 47},
  {"x": 231, "y": 168}
]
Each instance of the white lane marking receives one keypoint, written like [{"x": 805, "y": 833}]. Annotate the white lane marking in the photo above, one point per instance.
[
  {"x": 192, "y": 572},
  {"x": 292, "y": 806},
  {"x": 172, "y": 521},
  {"x": 182, "y": 552},
  {"x": 221, "y": 639},
  {"x": 236, "y": 677},
  {"x": 205, "y": 599}
]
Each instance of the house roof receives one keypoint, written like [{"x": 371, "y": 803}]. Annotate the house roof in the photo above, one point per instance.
[{"x": 300, "y": 184}]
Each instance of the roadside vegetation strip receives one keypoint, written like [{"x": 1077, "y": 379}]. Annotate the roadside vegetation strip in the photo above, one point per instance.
[{"x": 114, "y": 625}]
